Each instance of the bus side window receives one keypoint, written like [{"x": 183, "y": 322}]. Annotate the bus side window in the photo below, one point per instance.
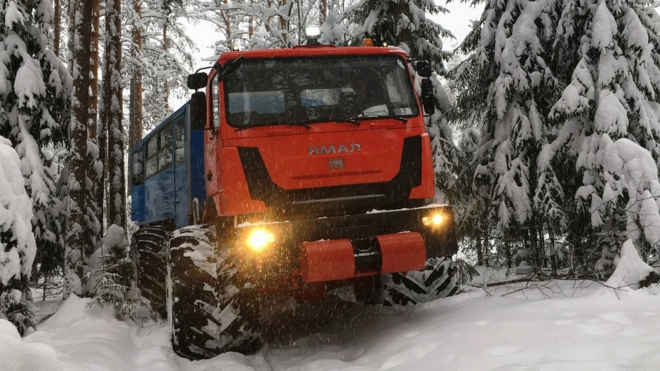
[
  {"x": 165, "y": 148},
  {"x": 138, "y": 167},
  {"x": 179, "y": 139},
  {"x": 152, "y": 156}
]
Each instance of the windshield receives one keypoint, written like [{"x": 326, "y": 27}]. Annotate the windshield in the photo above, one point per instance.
[{"x": 318, "y": 89}]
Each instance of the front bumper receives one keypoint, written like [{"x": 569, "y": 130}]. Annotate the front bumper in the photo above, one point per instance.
[{"x": 334, "y": 248}]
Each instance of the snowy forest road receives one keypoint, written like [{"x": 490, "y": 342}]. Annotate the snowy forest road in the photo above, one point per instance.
[{"x": 563, "y": 326}]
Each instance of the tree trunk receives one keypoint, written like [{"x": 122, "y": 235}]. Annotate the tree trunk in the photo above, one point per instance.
[
  {"x": 228, "y": 34},
  {"x": 480, "y": 256},
  {"x": 166, "y": 85},
  {"x": 507, "y": 251},
  {"x": 284, "y": 25},
  {"x": 75, "y": 242},
  {"x": 113, "y": 109},
  {"x": 404, "y": 36},
  {"x": 553, "y": 251},
  {"x": 541, "y": 244},
  {"x": 94, "y": 68},
  {"x": 92, "y": 124},
  {"x": 135, "y": 103},
  {"x": 57, "y": 24},
  {"x": 103, "y": 147},
  {"x": 323, "y": 11},
  {"x": 71, "y": 13}
]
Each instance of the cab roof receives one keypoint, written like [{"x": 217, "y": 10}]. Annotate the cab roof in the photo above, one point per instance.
[{"x": 311, "y": 51}]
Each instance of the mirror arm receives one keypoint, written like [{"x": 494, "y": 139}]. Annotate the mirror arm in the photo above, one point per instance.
[{"x": 203, "y": 68}]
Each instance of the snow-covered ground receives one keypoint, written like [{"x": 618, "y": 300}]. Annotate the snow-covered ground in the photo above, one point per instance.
[{"x": 562, "y": 325}]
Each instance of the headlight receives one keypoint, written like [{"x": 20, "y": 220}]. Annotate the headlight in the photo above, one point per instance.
[
  {"x": 433, "y": 220},
  {"x": 259, "y": 239}
]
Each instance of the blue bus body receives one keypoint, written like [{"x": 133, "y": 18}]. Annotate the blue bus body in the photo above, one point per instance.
[{"x": 167, "y": 173}]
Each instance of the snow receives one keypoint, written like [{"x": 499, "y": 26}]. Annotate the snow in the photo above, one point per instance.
[
  {"x": 16, "y": 257},
  {"x": 604, "y": 27},
  {"x": 13, "y": 15},
  {"x": 19, "y": 355},
  {"x": 560, "y": 325},
  {"x": 630, "y": 269}
]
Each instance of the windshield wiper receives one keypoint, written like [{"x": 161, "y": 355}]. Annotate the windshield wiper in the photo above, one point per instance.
[
  {"x": 350, "y": 120},
  {"x": 357, "y": 118},
  {"x": 303, "y": 124}
]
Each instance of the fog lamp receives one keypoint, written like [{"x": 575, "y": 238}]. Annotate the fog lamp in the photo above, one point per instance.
[
  {"x": 259, "y": 239},
  {"x": 437, "y": 219},
  {"x": 312, "y": 32}
]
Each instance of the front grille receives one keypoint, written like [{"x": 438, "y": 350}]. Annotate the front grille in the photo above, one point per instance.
[{"x": 334, "y": 200}]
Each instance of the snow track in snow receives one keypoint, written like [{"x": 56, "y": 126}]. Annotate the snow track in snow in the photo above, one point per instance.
[{"x": 568, "y": 328}]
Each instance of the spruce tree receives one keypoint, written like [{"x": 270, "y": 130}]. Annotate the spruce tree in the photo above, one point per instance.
[
  {"x": 34, "y": 107},
  {"x": 402, "y": 23},
  {"x": 610, "y": 111},
  {"x": 510, "y": 87}
]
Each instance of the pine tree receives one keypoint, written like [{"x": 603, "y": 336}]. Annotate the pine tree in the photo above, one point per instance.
[
  {"x": 77, "y": 182},
  {"x": 135, "y": 121},
  {"x": 113, "y": 115}
]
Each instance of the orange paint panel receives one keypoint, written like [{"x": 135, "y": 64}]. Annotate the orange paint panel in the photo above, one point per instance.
[
  {"x": 427, "y": 188},
  {"x": 402, "y": 252},
  {"x": 234, "y": 197},
  {"x": 327, "y": 260},
  {"x": 307, "y": 161}
]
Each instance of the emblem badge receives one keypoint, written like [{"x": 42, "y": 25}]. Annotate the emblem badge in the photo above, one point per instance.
[{"x": 336, "y": 164}]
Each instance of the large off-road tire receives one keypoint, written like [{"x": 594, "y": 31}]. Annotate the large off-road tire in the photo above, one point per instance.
[
  {"x": 437, "y": 280},
  {"x": 213, "y": 309},
  {"x": 148, "y": 251}
]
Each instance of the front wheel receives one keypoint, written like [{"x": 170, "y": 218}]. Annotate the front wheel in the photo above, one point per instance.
[
  {"x": 213, "y": 309},
  {"x": 436, "y": 280}
]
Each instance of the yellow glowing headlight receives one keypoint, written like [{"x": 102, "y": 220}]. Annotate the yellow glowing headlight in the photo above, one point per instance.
[
  {"x": 433, "y": 220},
  {"x": 259, "y": 239}
]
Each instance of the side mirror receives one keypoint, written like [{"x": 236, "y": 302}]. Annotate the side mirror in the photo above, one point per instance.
[
  {"x": 428, "y": 98},
  {"x": 198, "y": 111},
  {"x": 197, "y": 80},
  {"x": 424, "y": 69}
]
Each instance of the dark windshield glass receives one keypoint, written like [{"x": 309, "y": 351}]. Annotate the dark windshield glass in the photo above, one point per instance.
[{"x": 307, "y": 90}]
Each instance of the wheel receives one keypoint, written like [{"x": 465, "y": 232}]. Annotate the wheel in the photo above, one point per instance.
[
  {"x": 149, "y": 254},
  {"x": 213, "y": 309},
  {"x": 437, "y": 280}
]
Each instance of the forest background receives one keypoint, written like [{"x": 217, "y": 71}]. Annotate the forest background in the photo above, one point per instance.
[{"x": 546, "y": 133}]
